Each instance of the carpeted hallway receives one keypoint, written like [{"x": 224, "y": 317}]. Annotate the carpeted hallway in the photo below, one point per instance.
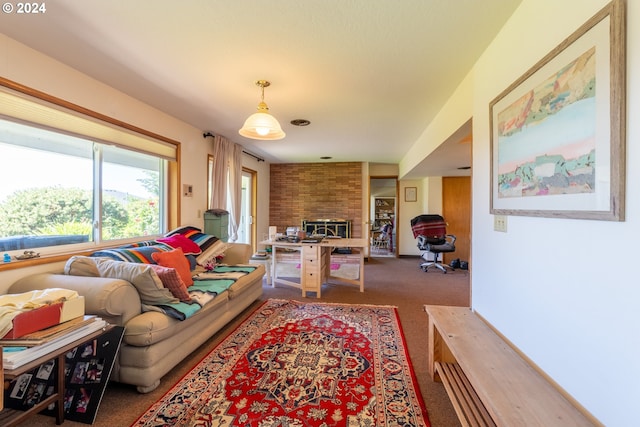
[{"x": 388, "y": 281}]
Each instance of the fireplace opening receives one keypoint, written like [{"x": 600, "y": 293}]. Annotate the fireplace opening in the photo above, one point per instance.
[{"x": 327, "y": 227}]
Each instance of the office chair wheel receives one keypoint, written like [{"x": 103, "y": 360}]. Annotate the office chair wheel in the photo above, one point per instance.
[{"x": 424, "y": 268}]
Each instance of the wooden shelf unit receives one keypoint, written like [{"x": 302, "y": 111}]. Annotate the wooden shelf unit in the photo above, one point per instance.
[
  {"x": 384, "y": 211},
  {"x": 13, "y": 417},
  {"x": 488, "y": 382}
]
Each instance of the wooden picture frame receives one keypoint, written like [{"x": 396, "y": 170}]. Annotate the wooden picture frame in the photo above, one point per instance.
[
  {"x": 410, "y": 194},
  {"x": 558, "y": 132}
]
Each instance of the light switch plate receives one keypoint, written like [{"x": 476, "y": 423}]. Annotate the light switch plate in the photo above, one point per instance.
[{"x": 500, "y": 223}]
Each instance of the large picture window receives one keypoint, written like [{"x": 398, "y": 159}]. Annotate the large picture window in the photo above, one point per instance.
[
  {"x": 131, "y": 187},
  {"x": 58, "y": 190},
  {"x": 84, "y": 184}
]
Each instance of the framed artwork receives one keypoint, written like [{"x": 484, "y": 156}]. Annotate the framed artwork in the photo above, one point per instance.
[
  {"x": 558, "y": 132},
  {"x": 410, "y": 194}
]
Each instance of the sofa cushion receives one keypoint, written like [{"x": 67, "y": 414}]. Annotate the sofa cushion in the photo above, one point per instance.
[
  {"x": 188, "y": 246},
  {"x": 172, "y": 281},
  {"x": 81, "y": 266},
  {"x": 152, "y": 327},
  {"x": 175, "y": 259},
  {"x": 242, "y": 285},
  {"x": 142, "y": 276}
]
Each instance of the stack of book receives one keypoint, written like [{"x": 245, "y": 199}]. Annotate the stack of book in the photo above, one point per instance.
[
  {"x": 47, "y": 315},
  {"x": 260, "y": 255},
  {"x": 27, "y": 348}
]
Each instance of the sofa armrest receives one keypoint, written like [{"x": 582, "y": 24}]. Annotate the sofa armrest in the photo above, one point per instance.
[
  {"x": 114, "y": 300},
  {"x": 237, "y": 253}
]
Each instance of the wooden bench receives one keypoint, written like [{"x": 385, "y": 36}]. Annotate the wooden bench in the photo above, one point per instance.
[{"x": 488, "y": 382}]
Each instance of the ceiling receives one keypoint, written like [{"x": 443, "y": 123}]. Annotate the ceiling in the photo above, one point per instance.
[{"x": 369, "y": 74}]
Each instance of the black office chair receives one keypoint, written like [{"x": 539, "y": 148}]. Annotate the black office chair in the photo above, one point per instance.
[{"x": 431, "y": 232}]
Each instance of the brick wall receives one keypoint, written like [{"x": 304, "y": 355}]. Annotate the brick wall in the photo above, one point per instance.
[{"x": 316, "y": 190}]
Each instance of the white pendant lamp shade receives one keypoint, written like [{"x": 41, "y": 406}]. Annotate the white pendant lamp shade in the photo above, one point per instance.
[{"x": 262, "y": 125}]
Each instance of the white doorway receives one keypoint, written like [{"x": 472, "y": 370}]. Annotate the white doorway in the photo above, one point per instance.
[
  {"x": 246, "y": 228},
  {"x": 383, "y": 214}
]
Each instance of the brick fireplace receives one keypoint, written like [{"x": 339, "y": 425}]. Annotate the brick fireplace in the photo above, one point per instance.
[
  {"x": 308, "y": 191},
  {"x": 327, "y": 227}
]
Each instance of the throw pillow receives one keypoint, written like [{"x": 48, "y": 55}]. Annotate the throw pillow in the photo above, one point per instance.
[
  {"x": 175, "y": 259},
  {"x": 188, "y": 246},
  {"x": 81, "y": 266},
  {"x": 172, "y": 281},
  {"x": 142, "y": 276},
  {"x": 193, "y": 263}
]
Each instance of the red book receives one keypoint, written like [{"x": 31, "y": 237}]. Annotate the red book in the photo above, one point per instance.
[{"x": 35, "y": 320}]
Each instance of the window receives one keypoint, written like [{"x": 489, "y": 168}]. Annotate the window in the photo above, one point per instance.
[
  {"x": 85, "y": 183},
  {"x": 131, "y": 187}
]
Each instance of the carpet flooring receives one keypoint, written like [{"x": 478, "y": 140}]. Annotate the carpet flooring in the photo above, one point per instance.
[
  {"x": 388, "y": 281},
  {"x": 298, "y": 364}
]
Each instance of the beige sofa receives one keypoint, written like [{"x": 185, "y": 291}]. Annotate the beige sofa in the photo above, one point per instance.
[{"x": 153, "y": 342}]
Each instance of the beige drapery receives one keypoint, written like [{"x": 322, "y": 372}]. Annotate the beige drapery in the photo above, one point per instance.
[{"x": 226, "y": 179}]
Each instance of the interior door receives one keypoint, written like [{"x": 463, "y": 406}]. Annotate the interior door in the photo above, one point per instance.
[{"x": 456, "y": 209}]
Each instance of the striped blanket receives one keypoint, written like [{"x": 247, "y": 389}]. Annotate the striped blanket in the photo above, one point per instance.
[
  {"x": 431, "y": 226},
  {"x": 206, "y": 286}
]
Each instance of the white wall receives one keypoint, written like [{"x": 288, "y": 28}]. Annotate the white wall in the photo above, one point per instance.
[
  {"x": 429, "y": 201},
  {"x": 564, "y": 291},
  {"x": 453, "y": 115},
  {"x": 30, "y": 68},
  {"x": 405, "y": 242}
]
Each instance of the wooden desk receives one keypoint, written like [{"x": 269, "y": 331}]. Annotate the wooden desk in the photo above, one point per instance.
[{"x": 315, "y": 263}]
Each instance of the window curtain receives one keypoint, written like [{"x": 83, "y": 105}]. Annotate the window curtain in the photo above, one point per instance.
[{"x": 226, "y": 180}]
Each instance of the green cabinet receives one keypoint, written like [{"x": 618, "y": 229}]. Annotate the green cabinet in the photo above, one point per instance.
[{"x": 217, "y": 224}]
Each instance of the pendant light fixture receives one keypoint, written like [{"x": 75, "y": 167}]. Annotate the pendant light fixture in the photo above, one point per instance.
[{"x": 262, "y": 125}]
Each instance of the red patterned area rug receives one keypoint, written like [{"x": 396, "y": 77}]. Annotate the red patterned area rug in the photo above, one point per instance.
[{"x": 301, "y": 364}]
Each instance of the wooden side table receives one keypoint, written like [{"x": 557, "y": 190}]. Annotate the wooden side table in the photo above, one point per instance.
[{"x": 13, "y": 417}]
